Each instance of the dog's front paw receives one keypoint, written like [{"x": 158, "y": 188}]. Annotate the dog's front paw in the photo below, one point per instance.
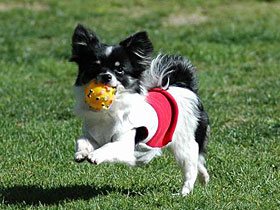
[
  {"x": 81, "y": 156},
  {"x": 96, "y": 157}
]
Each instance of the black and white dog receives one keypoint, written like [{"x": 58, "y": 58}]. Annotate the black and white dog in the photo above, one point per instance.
[{"x": 150, "y": 94}]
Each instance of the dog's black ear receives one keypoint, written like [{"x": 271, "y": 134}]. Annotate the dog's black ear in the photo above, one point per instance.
[
  {"x": 139, "y": 49},
  {"x": 83, "y": 40}
]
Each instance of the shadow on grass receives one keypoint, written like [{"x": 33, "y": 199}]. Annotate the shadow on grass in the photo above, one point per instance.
[{"x": 35, "y": 195}]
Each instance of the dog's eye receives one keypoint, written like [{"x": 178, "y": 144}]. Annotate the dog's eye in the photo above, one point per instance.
[
  {"x": 119, "y": 71},
  {"x": 118, "y": 68}
]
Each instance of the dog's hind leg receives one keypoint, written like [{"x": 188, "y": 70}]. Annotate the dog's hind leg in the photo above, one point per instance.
[
  {"x": 203, "y": 175},
  {"x": 186, "y": 155}
]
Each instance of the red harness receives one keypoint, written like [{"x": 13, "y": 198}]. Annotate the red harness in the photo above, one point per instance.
[{"x": 167, "y": 112}]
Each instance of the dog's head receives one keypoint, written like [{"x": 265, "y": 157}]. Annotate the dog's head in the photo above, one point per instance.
[{"x": 116, "y": 65}]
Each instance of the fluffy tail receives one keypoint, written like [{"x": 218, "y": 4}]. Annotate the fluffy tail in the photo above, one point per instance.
[{"x": 167, "y": 70}]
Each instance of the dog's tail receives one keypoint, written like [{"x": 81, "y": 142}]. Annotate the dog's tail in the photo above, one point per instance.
[{"x": 167, "y": 70}]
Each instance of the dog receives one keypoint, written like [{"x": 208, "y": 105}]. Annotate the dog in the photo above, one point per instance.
[{"x": 150, "y": 94}]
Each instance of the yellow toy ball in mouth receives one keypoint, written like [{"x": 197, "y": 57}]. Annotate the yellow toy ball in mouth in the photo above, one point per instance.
[{"x": 99, "y": 96}]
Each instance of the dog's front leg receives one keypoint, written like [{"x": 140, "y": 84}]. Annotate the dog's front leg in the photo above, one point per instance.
[
  {"x": 83, "y": 148},
  {"x": 120, "y": 150}
]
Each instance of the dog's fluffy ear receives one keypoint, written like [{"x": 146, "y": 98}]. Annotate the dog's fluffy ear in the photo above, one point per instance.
[
  {"x": 139, "y": 49},
  {"x": 83, "y": 40}
]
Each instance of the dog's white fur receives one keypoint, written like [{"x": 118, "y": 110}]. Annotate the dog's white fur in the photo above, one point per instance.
[{"x": 109, "y": 136}]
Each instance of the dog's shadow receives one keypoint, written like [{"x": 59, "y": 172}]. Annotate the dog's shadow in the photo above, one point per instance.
[{"x": 35, "y": 195}]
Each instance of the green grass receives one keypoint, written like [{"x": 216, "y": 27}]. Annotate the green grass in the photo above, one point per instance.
[{"x": 234, "y": 44}]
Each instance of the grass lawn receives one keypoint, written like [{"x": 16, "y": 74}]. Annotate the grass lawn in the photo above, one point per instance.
[{"x": 236, "y": 47}]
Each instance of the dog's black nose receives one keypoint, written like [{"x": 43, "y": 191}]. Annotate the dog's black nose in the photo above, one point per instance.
[{"x": 106, "y": 77}]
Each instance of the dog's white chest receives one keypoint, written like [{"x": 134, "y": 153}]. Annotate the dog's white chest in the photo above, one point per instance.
[{"x": 103, "y": 130}]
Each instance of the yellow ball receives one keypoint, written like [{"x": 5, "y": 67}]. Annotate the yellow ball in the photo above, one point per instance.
[{"x": 99, "y": 96}]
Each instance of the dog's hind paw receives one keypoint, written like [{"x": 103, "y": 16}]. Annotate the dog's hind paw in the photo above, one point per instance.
[
  {"x": 204, "y": 178},
  {"x": 185, "y": 191}
]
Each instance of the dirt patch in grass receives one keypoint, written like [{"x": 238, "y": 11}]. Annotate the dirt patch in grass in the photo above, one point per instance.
[
  {"x": 34, "y": 6},
  {"x": 186, "y": 19},
  {"x": 135, "y": 12}
]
